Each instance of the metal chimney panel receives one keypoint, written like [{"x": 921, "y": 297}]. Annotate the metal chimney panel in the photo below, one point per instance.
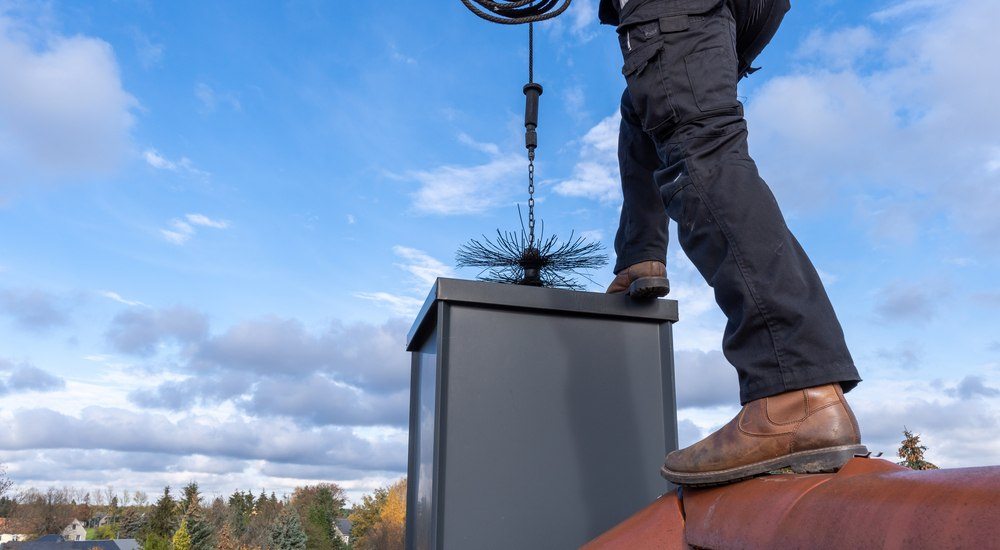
[{"x": 539, "y": 418}]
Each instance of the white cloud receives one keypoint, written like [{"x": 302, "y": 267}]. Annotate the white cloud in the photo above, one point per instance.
[
  {"x": 908, "y": 7},
  {"x": 579, "y": 22},
  {"x": 491, "y": 149},
  {"x": 180, "y": 231},
  {"x": 596, "y": 175},
  {"x": 908, "y": 123},
  {"x": 154, "y": 159},
  {"x": 399, "y": 56},
  {"x": 141, "y": 331},
  {"x": 184, "y": 164},
  {"x": 827, "y": 278},
  {"x": 702, "y": 321},
  {"x": 457, "y": 190},
  {"x": 406, "y": 306},
  {"x": 63, "y": 110},
  {"x": 149, "y": 53},
  {"x": 205, "y": 221},
  {"x": 422, "y": 266},
  {"x": 26, "y": 378},
  {"x": 840, "y": 48},
  {"x": 34, "y": 310},
  {"x": 705, "y": 379},
  {"x": 210, "y": 98},
  {"x": 114, "y": 296},
  {"x": 131, "y": 431},
  {"x": 958, "y": 425},
  {"x": 424, "y": 270},
  {"x": 453, "y": 190}
]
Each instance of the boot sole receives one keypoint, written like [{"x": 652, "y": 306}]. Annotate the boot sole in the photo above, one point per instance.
[
  {"x": 818, "y": 461},
  {"x": 646, "y": 288}
]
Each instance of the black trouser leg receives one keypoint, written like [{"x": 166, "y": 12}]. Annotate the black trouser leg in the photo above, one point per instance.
[
  {"x": 782, "y": 333},
  {"x": 642, "y": 230}
]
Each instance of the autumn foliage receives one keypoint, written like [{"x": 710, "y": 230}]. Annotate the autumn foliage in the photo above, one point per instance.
[{"x": 379, "y": 522}]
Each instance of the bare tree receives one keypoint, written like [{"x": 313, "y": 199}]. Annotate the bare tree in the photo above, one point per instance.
[
  {"x": 5, "y": 482},
  {"x": 44, "y": 513},
  {"x": 141, "y": 498}
]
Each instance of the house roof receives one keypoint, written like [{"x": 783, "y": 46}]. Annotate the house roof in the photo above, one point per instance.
[
  {"x": 869, "y": 502},
  {"x": 344, "y": 525},
  {"x": 46, "y": 543}
]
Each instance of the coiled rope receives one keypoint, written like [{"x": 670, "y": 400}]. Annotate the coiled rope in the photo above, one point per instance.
[{"x": 517, "y": 12}]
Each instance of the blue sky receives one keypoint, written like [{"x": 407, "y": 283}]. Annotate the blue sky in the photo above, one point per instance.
[{"x": 216, "y": 220}]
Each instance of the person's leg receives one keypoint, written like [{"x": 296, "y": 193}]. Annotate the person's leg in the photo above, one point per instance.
[
  {"x": 641, "y": 241},
  {"x": 782, "y": 334},
  {"x": 642, "y": 231}
]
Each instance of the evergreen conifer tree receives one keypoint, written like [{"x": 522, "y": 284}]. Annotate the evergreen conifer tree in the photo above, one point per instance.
[
  {"x": 182, "y": 539},
  {"x": 164, "y": 518},
  {"x": 912, "y": 452},
  {"x": 131, "y": 524},
  {"x": 287, "y": 533},
  {"x": 191, "y": 495},
  {"x": 200, "y": 529},
  {"x": 240, "y": 511}
]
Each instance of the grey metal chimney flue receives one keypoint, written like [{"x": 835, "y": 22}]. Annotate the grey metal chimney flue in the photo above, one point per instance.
[{"x": 538, "y": 417}]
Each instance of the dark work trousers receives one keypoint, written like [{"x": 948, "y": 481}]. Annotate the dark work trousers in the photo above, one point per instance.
[{"x": 683, "y": 153}]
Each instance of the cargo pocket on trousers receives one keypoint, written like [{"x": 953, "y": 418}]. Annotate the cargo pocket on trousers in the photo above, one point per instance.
[
  {"x": 711, "y": 82},
  {"x": 650, "y": 97}
]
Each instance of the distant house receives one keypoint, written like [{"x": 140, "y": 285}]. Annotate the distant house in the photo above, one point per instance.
[
  {"x": 11, "y": 537},
  {"x": 11, "y": 531},
  {"x": 75, "y": 531},
  {"x": 343, "y": 528},
  {"x": 98, "y": 520}
]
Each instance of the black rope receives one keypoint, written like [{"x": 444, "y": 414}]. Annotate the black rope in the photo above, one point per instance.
[
  {"x": 516, "y": 12},
  {"x": 531, "y": 53}
]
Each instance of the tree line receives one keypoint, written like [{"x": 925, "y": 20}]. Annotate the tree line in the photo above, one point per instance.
[{"x": 304, "y": 520}]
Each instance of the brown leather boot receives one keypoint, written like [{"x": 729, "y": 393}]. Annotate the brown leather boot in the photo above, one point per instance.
[
  {"x": 810, "y": 431},
  {"x": 642, "y": 280}
]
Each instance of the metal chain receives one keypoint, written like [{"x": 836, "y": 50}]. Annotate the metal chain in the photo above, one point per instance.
[{"x": 531, "y": 200}]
